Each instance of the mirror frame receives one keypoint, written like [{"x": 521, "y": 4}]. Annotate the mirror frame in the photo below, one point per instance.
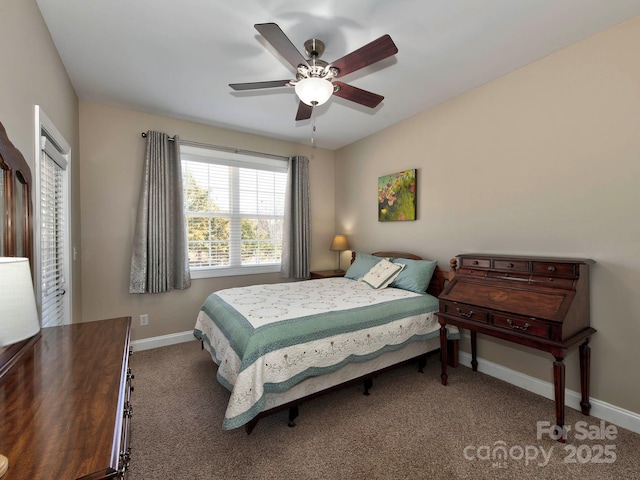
[{"x": 16, "y": 227}]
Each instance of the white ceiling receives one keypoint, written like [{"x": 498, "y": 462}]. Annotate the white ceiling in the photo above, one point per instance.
[{"x": 176, "y": 58}]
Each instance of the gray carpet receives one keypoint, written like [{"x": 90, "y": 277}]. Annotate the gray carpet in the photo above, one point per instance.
[{"x": 410, "y": 427}]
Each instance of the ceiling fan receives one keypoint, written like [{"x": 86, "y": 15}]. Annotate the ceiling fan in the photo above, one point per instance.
[{"x": 314, "y": 83}]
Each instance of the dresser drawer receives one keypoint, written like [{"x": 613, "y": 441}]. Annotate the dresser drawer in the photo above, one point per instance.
[
  {"x": 520, "y": 325},
  {"x": 465, "y": 312},
  {"x": 551, "y": 268},
  {"x": 470, "y": 262},
  {"x": 124, "y": 456}
]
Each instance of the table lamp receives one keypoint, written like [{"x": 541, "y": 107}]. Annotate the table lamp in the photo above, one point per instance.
[
  {"x": 339, "y": 244},
  {"x": 18, "y": 313}
]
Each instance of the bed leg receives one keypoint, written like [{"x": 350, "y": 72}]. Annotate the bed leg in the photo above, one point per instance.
[
  {"x": 248, "y": 427},
  {"x": 368, "y": 383},
  {"x": 422, "y": 362},
  {"x": 293, "y": 414}
]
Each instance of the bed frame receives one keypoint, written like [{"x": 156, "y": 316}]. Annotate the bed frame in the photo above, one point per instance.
[{"x": 438, "y": 281}]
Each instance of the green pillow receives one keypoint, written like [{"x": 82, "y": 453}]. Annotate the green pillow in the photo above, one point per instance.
[
  {"x": 415, "y": 276},
  {"x": 361, "y": 265}
]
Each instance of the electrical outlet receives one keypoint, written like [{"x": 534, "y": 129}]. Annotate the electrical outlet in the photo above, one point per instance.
[{"x": 144, "y": 319}]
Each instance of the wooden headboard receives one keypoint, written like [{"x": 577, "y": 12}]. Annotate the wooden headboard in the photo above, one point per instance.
[{"x": 440, "y": 277}]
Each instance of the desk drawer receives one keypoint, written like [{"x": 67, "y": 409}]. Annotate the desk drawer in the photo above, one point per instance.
[
  {"x": 523, "y": 325},
  {"x": 465, "y": 312},
  {"x": 553, "y": 282},
  {"x": 552, "y": 268},
  {"x": 511, "y": 265},
  {"x": 472, "y": 272},
  {"x": 475, "y": 262}
]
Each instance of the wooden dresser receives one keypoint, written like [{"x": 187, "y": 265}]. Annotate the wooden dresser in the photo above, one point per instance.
[
  {"x": 64, "y": 405},
  {"x": 542, "y": 303}
]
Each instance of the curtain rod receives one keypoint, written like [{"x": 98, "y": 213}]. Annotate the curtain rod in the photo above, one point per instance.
[{"x": 225, "y": 149}]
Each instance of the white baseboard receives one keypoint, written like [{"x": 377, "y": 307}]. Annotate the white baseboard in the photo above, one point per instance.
[
  {"x": 599, "y": 409},
  {"x": 162, "y": 341}
]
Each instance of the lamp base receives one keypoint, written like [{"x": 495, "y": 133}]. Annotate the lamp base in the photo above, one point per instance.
[{"x": 4, "y": 465}]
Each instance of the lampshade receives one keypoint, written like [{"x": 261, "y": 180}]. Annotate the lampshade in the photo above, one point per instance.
[
  {"x": 339, "y": 243},
  {"x": 18, "y": 313},
  {"x": 314, "y": 91}
]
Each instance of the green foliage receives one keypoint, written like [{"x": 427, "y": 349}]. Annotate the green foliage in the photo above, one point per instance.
[{"x": 209, "y": 234}]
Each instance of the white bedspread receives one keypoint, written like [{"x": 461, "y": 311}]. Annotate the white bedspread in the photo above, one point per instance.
[{"x": 267, "y": 338}]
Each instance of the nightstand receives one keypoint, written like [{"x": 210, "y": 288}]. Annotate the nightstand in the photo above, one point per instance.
[{"x": 327, "y": 274}]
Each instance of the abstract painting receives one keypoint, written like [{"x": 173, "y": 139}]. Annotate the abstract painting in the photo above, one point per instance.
[{"x": 397, "y": 196}]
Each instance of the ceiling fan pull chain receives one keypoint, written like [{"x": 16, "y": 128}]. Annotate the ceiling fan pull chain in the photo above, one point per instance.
[{"x": 313, "y": 127}]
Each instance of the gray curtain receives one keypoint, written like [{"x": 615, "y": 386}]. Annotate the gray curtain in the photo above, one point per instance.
[
  {"x": 296, "y": 242},
  {"x": 160, "y": 260}
]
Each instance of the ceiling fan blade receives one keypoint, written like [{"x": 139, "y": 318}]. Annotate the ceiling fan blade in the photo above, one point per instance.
[
  {"x": 277, "y": 38},
  {"x": 304, "y": 111},
  {"x": 371, "y": 53},
  {"x": 363, "y": 97},
  {"x": 256, "y": 85}
]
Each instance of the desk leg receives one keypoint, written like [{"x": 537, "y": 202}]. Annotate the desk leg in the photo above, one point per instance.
[
  {"x": 474, "y": 350},
  {"x": 558, "y": 384},
  {"x": 585, "y": 367},
  {"x": 443, "y": 351}
]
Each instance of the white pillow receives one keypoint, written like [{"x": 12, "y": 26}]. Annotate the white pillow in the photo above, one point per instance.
[{"x": 382, "y": 274}]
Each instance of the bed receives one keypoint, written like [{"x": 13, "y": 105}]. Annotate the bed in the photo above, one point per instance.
[{"x": 277, "y": 345}]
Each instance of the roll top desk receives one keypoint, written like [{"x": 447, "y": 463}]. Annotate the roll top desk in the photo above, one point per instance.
[{"x": 538, "y": 302}]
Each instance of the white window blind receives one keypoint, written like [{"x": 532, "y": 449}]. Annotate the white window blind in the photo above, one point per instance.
[
  {"x": 235, "y": 212},
  {"x": 52, "y": 166}
]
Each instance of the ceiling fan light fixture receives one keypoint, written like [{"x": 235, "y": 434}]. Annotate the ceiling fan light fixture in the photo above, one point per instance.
[{"x": 314, "y": 91}]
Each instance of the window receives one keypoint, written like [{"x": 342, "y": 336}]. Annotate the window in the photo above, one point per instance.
[
  {"x": 234, "y": 208},
  {"x": 53, "y": 265}
]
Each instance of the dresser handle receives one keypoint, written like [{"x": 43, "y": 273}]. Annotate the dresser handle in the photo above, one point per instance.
[
  {"x": 518, "y": 327},
  {"x": 475, "y": 262},
  {"x": 465, "y": 314},
  {"x": 551, "y": 268},
  {"x": 123, "y": 467},
  {"x": 510, "y": 265}
]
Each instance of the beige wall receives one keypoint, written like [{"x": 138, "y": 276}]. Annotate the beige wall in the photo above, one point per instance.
[
  {"x": 543, "y": 161},
  {"x": 33, "y": 74},
  {"x": 112, "y": 154}
]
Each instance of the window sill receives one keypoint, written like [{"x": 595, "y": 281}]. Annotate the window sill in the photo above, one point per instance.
[{"x": 233, "y": 271}]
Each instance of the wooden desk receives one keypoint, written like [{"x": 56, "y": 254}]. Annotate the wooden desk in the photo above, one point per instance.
[
  {"x": 542, "y": 303},
  {"x": 64, "y": 405}
]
